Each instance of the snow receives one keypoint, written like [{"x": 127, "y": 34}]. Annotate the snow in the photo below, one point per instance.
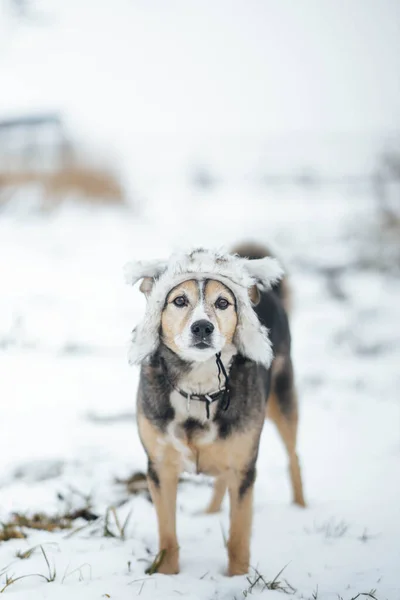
[
  {"x": 68, "y": 402},
  {"x": 267, "y": 92}
]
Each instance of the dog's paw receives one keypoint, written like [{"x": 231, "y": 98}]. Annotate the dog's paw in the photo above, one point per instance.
[
  {"x": 237, "y": 569},
  {"x": 170, "y": 564},
  {"x": 166, "y": 562}
]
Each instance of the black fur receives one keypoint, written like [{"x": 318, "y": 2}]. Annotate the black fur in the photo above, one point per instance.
[
  {"x": 152, "y": 474},
  {"x": 272, "y": 315},
  {"x": 247, "y": 394},
  {"x": 284, "y": 388},
  {"x": 248, "y": 479},
  {"x": 191, "y": 426}
]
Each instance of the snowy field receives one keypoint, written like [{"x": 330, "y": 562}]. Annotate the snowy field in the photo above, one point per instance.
[
  {"x": 240, "y": 94},
  {"x": 67, "y": 426}
]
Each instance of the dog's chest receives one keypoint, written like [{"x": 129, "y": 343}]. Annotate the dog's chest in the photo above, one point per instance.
[
  {"x": 191, "y": 429},
  {"x": 192, "y": 432},
  {"x": 190, "y": 424}
]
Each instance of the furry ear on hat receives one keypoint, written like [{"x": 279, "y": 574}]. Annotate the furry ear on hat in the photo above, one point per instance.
[
  {"x": 134, "y": 271},
  {"x": 266, "y": 271}
]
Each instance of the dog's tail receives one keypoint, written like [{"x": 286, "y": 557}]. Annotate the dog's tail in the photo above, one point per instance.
[{"x": 252, "y": 251}]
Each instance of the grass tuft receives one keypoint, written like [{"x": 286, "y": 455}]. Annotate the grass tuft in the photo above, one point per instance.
[
  {"x": 258, "y": 581},
  {"x": 331, "y": 529}
]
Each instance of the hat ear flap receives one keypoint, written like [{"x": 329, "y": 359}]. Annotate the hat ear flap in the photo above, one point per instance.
[
  {"x": 150, "y": 269},
  {"x": 251, "y": 338},
  {"x": 266, "y": 271}
]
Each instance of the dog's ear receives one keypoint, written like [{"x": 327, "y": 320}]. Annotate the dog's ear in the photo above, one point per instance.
[
  {"x": 147, "y": 285},
  {"x": 254, "y": 294}
]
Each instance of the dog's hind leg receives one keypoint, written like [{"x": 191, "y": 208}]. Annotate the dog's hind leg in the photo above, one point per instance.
[
  {"x": 287, "y": 427},
  {"x": 282, "y": 409},
  {"x": 220, "y": 486}
]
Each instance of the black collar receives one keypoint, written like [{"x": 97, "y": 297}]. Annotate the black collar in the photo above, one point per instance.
[
  {"x": 222, "y": 394},
  {"x": 207, "y": 398}
]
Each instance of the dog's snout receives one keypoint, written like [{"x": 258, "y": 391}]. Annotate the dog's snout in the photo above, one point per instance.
[{"x": 202, "y": 329}]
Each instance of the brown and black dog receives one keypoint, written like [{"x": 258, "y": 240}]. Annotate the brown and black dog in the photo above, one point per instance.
[{"x": 190, "y": 420}]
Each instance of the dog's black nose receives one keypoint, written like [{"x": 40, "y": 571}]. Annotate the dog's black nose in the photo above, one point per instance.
[{"x": 202, "y": 329}]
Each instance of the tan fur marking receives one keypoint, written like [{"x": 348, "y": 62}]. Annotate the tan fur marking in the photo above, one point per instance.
[
  {"x": 167, "y": 463},
  {"x": 231, "y": 454},
  {"x": 241, "y": 516},
  {"x": 173, "y": 319},
  {"x": 226, "y": 319}
]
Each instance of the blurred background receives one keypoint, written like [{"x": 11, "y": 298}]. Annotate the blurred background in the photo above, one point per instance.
[{"x": 132, "y": 128}]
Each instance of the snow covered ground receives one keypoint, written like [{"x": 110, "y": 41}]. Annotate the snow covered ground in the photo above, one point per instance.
[
  {"x": 242, "y": 92},
  {"x": 67, "y": 427}
]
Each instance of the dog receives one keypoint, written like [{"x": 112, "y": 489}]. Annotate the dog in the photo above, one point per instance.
[{"x": 214, "y": 350}]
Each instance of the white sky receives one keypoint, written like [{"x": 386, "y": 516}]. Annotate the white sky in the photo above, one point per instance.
[{"x": 208, "y": 66}]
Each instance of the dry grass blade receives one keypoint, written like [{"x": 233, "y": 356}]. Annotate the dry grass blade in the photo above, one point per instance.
[
  {"x": 52, "y": 571},
  {"x": 156, "y": 564},
  {"x": 91, "y": 525},
  {"x": 315, "y": 594},
  {"x": 78, "y": 570},
  {"x": 27, "y": 554},
  {"x": 116, "y": 519},
  {"x": 11, "y": 580},
  {"x": 125, "y": 525},
  {"x": 106, "y": 529},
  {"x": 370, "y": 594}
]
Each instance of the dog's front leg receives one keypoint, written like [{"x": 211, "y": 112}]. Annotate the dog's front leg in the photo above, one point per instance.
[
  {"x": 163, "y": 483},
  {"x": 241, "y": 514}
]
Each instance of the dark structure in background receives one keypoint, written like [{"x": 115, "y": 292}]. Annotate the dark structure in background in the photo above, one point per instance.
[{"x": 35, "y": 150}]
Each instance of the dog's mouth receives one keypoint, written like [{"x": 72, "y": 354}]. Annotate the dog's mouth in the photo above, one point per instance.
[{"x": 202, "y": 345}]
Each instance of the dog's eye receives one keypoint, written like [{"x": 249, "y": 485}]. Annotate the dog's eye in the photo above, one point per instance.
[
  {"x": 180, "y": 301},
  {"x": 222, "y": 304}
]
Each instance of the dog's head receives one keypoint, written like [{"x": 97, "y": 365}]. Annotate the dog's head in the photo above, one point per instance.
[
  {"x": 198, "y": 303},
  {"x": 199, "y": 318}
]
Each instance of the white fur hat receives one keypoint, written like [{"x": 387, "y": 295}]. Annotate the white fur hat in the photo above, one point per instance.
[{"x": 237, "y": 273}]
